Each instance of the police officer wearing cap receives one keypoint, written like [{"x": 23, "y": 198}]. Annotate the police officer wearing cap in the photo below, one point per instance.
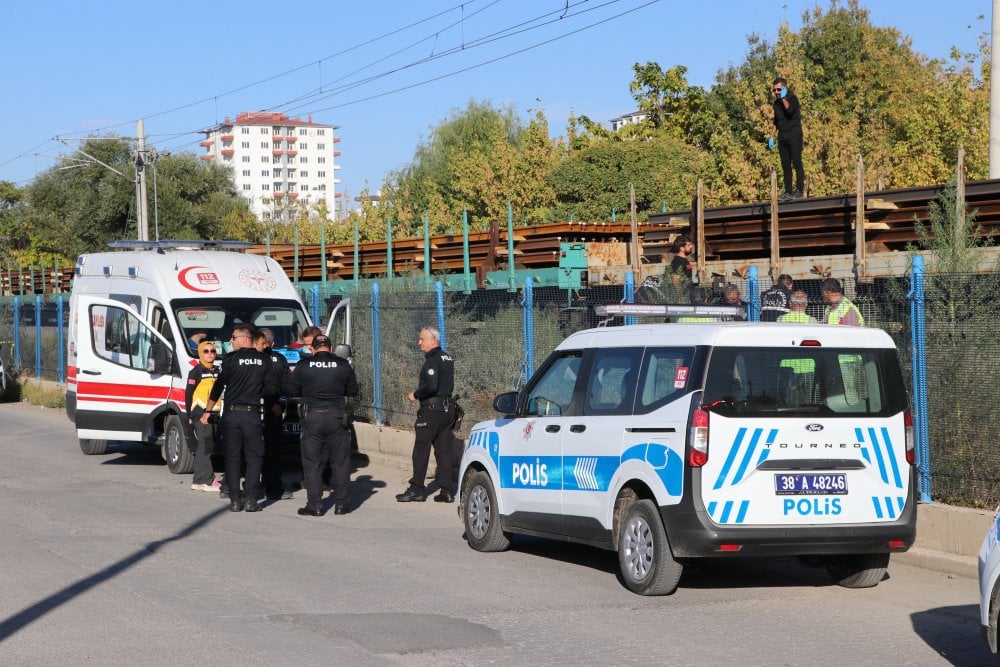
[
  {"x": 246, "y": 377},
  {"x": 323, "y": 380},
  {"x": 435, "y": 418},
  {"x": 273, "y": 412}
]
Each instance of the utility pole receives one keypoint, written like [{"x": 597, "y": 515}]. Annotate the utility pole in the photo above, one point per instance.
[{"x": 142, "y": 208}]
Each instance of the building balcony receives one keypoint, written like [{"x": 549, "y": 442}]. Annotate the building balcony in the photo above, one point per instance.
[
  {"x": 206, "y": 143},
  {"x": 291, "y": 152},
  {"x": 290, "y": 139},
  {"x": 228, "y": 152},
  {"x": 277, "y": 138},
  {"x": 277, "y": 152},
  {"x": 336, "y": 140},
  {"x": 207, "y": 156},
  {"x": 338, "y": 194},
  {"x": 227, "y": 137},
  {"x": 293, "y": 195},
  {"x": 336, "y": 153},
  {"x": 279, "y": 195}
]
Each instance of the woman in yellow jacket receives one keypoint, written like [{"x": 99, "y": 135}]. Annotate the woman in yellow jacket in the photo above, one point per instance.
[{"x": 199, "y": 383}]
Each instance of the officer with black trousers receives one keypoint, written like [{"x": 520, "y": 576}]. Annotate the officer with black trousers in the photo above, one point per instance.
[
  {"x": 273, "y": 412},
  {"x": 435, "y": 418},
  {"x": 247, "y": 376},
  {"x": 324, "y": 380}
]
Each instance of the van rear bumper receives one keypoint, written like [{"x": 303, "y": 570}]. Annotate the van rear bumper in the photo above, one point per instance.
[{"x": 693, "y": 535}]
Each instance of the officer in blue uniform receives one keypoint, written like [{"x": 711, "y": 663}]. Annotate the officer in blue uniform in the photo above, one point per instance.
[
  {"x": 246, "y": 377},
  {"x": 324, "y": 380},
  {"x": 435, "y": 418}
]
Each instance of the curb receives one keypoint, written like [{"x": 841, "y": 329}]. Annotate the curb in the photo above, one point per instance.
[{"x": 938, "y": 561}]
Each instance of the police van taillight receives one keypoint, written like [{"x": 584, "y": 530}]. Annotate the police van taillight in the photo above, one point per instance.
[
  {"x": 911, "y": 443},
  {"x": 698, "y": 438}
]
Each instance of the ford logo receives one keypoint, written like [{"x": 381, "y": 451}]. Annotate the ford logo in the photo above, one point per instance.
[{"x": 814, "y": 427}]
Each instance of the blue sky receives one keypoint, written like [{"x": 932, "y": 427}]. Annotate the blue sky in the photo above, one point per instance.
[{"x": 76, "y": 67}]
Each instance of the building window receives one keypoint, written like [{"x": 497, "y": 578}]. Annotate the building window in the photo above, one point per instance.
[
  {"x": 265, "y": 130},
  {"x": 320, "y": 133},
  {"x": 321, "y": 160},
  {"x": 302, "y": 132},
  {"x": 245, "y": 144},
  {"x": 304, "y": 174},
  {"x": 304, "y": 188},
  {"x": 322, "y": 187},
  {"x": 266, "y": 187},
  {"x": 321, "y": 147},
  {"x": 321, "y": 174},
  {"x": 246, "y": 158},
  {"x": 244, "y": 130},
  {"x": 277, "y": 187},
  {"x": 249, "y": 201},
  {"x": 266, "y": 173},
  {"x": 303, "y": 160},
  {"x": 246, "y": 172},
  {"x": 265, "y": 158},
  {"x": 246, "y": 186},
  {"x": 303, "y": 146}
]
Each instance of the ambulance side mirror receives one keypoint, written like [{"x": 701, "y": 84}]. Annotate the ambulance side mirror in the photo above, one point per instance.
[
  {"x": 506, "y": 403},
  {"x": 160, "y": 359}
]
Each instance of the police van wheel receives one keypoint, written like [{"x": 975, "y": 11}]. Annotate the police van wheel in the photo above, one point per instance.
[
  {"x": 858, "y": 570},
  {"x": 176, "y": 452},
  {"x": 481, "y": 516},
  {"x": 647, "y": 565},
  {"x": 93, "y": 447}
]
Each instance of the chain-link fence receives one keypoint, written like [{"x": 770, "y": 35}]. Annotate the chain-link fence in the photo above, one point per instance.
[{"x": 485, "y": 331}]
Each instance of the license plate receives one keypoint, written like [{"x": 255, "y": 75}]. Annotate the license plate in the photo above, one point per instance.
[
  {"x": 292, "y": 427},
  {"x": 810, "y": 484}
]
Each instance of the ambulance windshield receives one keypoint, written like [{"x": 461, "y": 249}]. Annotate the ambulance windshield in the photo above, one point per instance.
[{"x": 201, "y": 319}]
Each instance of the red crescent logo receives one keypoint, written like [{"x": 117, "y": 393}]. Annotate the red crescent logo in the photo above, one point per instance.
[{"x": 182, "y": 277}]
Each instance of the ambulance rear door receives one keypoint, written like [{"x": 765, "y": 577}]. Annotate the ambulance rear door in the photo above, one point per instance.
[{"x": 124, "y": 371}]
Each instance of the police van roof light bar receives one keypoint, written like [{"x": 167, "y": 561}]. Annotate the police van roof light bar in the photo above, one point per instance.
[
  {"x": 668, "y": 310},
  {"x": 179, "y": 244}
]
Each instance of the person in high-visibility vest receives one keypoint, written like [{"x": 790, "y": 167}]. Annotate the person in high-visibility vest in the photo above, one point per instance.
[
  {"x": 797, "y": 303},
  {"x": 839, "y": 309},
  {"x": 698, "y": 297}
]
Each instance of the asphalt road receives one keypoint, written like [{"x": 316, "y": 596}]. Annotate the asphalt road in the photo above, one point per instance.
[{"x": 112, "y": 560}]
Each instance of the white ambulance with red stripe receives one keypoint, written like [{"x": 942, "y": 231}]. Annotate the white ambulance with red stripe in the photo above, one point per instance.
[{"x": 136, "y": 316}]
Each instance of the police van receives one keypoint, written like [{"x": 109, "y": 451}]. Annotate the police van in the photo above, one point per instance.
[
  {"x": 673, "y": 442},
  {"x": 136, "y": 317}
]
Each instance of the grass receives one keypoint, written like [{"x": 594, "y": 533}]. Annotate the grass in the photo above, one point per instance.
[{"x": 36, "y": 393}]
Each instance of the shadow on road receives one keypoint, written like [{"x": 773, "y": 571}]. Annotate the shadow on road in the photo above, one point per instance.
[
  {"x": 955, "y": 634},
  {"x": 132, "y": 454},
  {"x": 36, "y": 611}
]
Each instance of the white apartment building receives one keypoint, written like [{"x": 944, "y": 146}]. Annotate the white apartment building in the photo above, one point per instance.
[
  {"x": 277, "y": 161},
  {"x": 628, "y": 119}
]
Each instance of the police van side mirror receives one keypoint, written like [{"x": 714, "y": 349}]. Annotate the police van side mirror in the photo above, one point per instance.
[
  {"x": 506, "y": 403},
  {"x": 160, "y": 359}
]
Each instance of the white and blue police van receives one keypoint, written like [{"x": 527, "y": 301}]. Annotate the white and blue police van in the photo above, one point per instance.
[
  {"x": 674, "y": 442},
  {"x": 989, "y": 581}
]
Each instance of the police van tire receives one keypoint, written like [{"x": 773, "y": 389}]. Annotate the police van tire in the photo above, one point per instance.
[
  {"x": 858, "y": 570},
  {"x": 644, "y": 557},
  {"x": 93, "y": 447},
  {"x": 176, "y": 451},
  {"x": 481, "y": 515}
]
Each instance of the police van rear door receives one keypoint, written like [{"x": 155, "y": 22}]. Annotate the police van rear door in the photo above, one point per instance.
[{"x": 805, "y": 434}]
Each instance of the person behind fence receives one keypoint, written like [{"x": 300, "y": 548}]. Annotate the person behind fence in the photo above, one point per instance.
[
  {"x": 274, "y": 489},
  {"x": 246, "y": 377},
  {"x": 680, "y": 265},
  {"x": 774, "y": 301},
  {"x": 698, "y": 297},
  {"x": 797, "y": 314},
  {"x": 324, "y": 380},
  {"x": 435, "y": 417},
  {"x": 731, "y": 297},
  {"x": 199, "y": 384},
  {"x": 839, "y": 309}
]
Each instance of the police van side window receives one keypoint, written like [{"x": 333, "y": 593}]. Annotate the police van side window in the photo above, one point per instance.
[
  {"x": 665, "y": 377},
  {"x": 611, "y": 385},
  {"x": 553, "y": 394}
]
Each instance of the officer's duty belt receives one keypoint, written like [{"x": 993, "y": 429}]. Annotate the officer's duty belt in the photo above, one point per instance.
[
  {"x": 243, "y": 408},
  {"x": 436, "y": 403}
]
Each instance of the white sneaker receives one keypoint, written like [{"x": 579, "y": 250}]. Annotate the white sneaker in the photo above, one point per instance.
[{"x": 204, "y": 487}]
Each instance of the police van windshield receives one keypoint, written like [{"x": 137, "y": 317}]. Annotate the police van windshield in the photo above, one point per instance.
[
  {"x": 201, "y": 319},
  {"x": 804, "y": 381}
]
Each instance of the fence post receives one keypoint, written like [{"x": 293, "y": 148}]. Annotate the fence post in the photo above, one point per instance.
[
  {"x": 17, "y": 334},
  {"x": 465, "y": 253},
  {"x": 60, "y": 343},
  {"x": 439, "y": 293},
  {"x": 376, "y": 357},
  {"x": 38, "y": 337},
  {"x": 753, "y": 295},
  {"x": 630, "y": 295},
  {"x": 315, "y": 306},
  {"x": 919, "y": 354},
  {"x": 529, "y": 331}
]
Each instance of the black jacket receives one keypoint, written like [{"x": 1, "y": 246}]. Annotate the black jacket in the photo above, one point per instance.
[
  {"x": 774, "y": 303},
  {"x": 323, "y": 380},
  {"x": 437, "y": 376},
  {"x": 787, "y": 121},
  {"x": 247, "y": 376}
]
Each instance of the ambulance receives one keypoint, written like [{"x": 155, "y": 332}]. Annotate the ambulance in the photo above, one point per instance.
[
  {"x": 136, "y": 317},
  {"x": 669, "y": 443}
]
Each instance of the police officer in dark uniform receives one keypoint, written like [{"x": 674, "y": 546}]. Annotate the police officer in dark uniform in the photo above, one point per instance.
[
  {"x": 435, "y": 418},
  {"x": 273, "y": 412},
  {"x": 247, "y": 376},
  {"x": 323, "y": 380}
]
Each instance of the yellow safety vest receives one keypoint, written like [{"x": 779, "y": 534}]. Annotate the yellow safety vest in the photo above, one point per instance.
[
  {"x": 836, "y": 315},
  {"x": 797, "y": 318}
]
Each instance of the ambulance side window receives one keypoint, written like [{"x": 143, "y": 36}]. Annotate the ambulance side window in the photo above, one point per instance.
[
  {"x": 126, "y": 341},
  {"x": 552, "y": 395},
  {"x": 158, "y": 318},
  {"x": 611, "y": 386},
  {"x": 665, "y": 377}
]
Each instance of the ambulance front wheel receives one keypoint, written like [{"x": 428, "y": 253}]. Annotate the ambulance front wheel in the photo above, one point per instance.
[
  {"x": 93, "y": 447},
  {"x": 481, "y": 514},
  {"x": 647, "y": 564},
  {"x": 858, "y": 570},
  {"x": 176, "y": 451}
]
